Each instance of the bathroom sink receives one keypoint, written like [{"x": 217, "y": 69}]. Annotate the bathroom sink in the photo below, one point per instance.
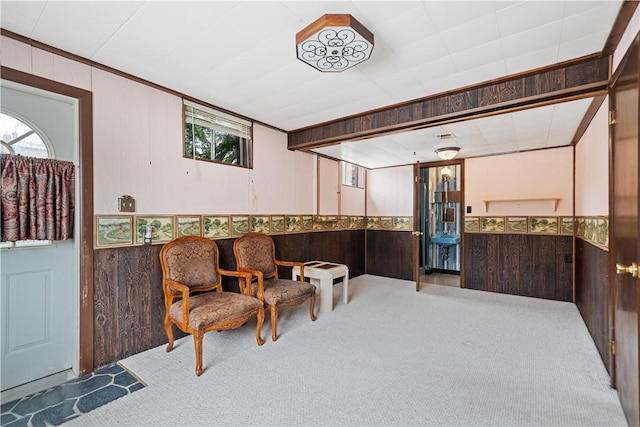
[{"x": 445, "y": 239}]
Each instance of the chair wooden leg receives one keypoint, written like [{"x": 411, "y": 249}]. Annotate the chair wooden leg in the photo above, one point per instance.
[
  {"x": 274, "y": 322},
  {"x": 312, "y": 305},
  {"x": 197, "y": 341},
  {"x": 169, "y": 331},
  {"x": 259, "y": 323}
]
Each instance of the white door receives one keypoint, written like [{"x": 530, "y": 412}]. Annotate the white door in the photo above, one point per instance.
[{"x": 39, "y": 286}]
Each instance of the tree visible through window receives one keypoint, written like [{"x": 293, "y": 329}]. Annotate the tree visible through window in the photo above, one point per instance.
[{"x": 216, "y": 136}]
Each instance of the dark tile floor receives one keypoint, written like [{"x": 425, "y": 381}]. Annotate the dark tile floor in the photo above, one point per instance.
[{"x": 56, "y": 405}]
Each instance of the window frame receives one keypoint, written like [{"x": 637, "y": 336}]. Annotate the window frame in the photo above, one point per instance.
[
  {"x": 359, "y": 175},
  {"x": 26, "y": 244},
  {"x": 207, "y": 110},
  {"x": 33, "y": 130}
]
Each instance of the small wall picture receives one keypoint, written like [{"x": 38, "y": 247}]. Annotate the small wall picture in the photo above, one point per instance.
[
  {"x": 113, "y": 230},
  {"x": 307, "y": 222},
  {"x": 344, "y": 222},
  {"x": 260, "y": 224},
  {"x": 188, "y": 226},
  {"x": 517, "y": 224},
  {"x": 161, "y": 228},
  {"x": 492, "y": 224},
  {"x": 402, "y": 223},
  {"x": 567, "y": 225},
  {"x": 277, "y": 224},
  {"x": 543, "y": 225},
  {"x": 215, "y": 226},
  {"x": 386, "y": 222},
  {"x": 239, "y": 225},
  {"x": 373, "y": 222},
  {"x": 601, "y": 235},
  {"x": 471, "y": 224},
  {"x": 294, "y": 224}
]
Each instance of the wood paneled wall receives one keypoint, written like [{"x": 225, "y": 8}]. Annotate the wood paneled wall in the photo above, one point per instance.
[
  {"x": 390, "y": 254},
  {"x": 519, "y": 264},
  {"x": 128, "y": 299},
  {"x": 592, "y": 294}
]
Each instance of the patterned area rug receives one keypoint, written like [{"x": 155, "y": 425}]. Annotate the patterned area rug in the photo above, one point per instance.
[{"x": 59, "y": 404}]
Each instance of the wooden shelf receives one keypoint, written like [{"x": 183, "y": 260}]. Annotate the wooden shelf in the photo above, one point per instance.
[{"x": 555, "y": 201}]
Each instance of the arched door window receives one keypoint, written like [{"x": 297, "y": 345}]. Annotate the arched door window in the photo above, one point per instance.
[{"x": 20, "y": 138}]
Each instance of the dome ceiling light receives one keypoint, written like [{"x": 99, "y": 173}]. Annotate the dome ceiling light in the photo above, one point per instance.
[
  {"x": 334, "y": 43},
  {"x": 447, "y": 153}
]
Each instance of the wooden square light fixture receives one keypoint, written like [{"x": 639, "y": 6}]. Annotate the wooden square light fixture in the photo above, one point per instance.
[{"x": 334, "y": 43}]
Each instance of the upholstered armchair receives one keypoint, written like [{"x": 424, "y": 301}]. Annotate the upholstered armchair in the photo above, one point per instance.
[
  {"x": 191, "y": 275},
  {"x": 255, "y": 254}
]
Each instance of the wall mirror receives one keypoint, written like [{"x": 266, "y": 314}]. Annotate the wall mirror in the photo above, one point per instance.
[{"x": 448, "y": 214}]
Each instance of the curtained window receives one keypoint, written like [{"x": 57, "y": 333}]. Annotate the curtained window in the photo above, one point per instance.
[{"x": 37, "y": 198}]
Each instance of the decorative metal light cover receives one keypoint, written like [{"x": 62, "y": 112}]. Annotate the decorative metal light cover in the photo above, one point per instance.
[{"x": 334, "y": 43}]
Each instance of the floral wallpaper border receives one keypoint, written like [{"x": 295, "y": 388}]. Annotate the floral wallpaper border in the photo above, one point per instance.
[
  {"x": 130, "y": 230},
  {"x": 593, "y": 229}
]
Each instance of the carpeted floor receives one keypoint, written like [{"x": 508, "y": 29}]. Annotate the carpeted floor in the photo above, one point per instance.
[{"x": 442, "y": 356}]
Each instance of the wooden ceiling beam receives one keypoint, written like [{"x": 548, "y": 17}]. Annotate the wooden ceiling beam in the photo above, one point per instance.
[{"x": 579, "y": 78}]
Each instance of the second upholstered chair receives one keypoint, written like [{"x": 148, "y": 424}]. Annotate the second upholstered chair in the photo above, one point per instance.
[
  {"x": 255, "y": 254},
  {"x": 191, "y": 275}
]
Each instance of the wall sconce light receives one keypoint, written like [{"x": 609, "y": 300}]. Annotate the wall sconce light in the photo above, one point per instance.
[
  {"x": 447, "y": 153},
  {"x": 334, "y": 43},
  {"x": 126, "y": 203}
]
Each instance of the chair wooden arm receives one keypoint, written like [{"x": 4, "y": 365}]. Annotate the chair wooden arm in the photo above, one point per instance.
[
  {"x": 293, "y": 264},
  {"x": 184, "y": 291},
  {"x": 245, "y": 286},
  {"x": 259, "y": 276}
]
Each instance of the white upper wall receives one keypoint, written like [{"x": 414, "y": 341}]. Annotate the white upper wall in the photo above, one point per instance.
[
  {"x": 390, "y": 191},
  {"x": 627, "y": 38},
  {"x": 592, "y": 167},
  {"x": 137, "y": 132},
  {"x": 531, "y": 175}
]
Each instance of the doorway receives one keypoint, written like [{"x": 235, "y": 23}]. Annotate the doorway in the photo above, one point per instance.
[
  {"x": 440, "y": 204},
  {"x": 40, "y": 283},
  {"x": 625, "y": 232}
]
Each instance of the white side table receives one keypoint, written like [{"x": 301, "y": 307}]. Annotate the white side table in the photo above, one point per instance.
[{"x": 322, "y": 274}]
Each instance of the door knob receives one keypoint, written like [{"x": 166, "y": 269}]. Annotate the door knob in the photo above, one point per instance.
[
  {"x": 416, "y": 233},
  {"x": 631, "y": 269}
]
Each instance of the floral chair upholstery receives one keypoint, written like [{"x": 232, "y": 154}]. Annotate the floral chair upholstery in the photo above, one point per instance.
[
  {"x": 190, "y": 265},
  {"x": 255, "y": 254}
]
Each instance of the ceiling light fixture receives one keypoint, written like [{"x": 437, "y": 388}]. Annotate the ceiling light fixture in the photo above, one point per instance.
[
  {"x": 334, "y": 43},
  {"x": 447, "y": 153}
]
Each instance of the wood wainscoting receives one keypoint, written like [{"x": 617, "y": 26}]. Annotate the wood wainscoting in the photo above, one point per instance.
[
  {"x": 128, "y": 299},
  {"x": 390, "y": 254},
  {"x": 592, "y": 294},
  {"x": 519, "y": 264}
]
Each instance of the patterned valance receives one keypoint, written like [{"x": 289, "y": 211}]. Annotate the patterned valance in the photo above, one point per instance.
[{"x": 38, "y": 198}]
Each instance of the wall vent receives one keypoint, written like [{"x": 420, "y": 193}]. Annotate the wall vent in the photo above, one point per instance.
[{"x": 446, "y": 135}]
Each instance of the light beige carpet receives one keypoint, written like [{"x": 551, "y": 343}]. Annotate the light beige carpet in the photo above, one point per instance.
[{"x": 442, "y": 356}]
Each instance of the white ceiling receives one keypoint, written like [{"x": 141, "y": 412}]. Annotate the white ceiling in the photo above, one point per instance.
[{"x": 240, "y": 56}]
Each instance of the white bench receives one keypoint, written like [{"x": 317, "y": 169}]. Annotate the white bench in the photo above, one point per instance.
[{"x": 322, "y": 275}]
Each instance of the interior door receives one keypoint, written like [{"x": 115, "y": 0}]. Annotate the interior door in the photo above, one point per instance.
[
  {"x": 416, "y": 233},
  {"x": 626, "y": 233}
]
